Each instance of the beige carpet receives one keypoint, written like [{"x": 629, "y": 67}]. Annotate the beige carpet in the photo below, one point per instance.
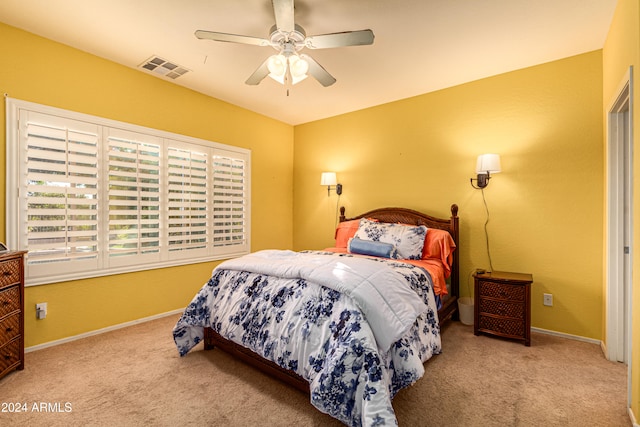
[{"x": 134, "y": 376}]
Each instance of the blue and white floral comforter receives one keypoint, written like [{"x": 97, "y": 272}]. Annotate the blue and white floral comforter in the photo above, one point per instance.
[{"x": 357, "y": 328}]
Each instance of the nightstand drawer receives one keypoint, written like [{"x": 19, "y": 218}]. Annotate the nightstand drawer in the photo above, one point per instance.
[
  {"x": 10, "y": 272},
  {"x": 502, "y": 291},
  {"x": 502, "y": 308},
  {"x": 510, "y": 327},
  {"x": 10, "y": 328},
  {"x": 9, "y": 300},
  {"x": 10, "y": 355}
]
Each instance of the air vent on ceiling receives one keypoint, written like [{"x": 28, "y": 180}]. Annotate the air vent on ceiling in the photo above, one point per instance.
[{"x": 164, "y": 67}]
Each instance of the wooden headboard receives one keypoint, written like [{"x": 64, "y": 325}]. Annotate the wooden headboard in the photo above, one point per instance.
[{"x": 409, "y": 216}]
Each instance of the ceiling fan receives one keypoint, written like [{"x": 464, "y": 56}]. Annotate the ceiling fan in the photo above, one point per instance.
[{"x": 288, "y": 66}]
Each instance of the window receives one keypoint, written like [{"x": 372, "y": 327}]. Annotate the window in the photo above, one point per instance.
[{"x": 88, "y": 196}]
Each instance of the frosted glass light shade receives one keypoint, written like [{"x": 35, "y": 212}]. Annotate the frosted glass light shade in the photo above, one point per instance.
[
  {"x": 488, "y": 163},
  {"x": 328, "y": 178},
  {"x": 298, "y": 68},
  {"x": 277, "y": 66},
  {"x": 280, "y": 65}
]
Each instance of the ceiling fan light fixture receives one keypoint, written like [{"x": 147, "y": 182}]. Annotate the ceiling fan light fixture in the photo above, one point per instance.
[
  {"x": 298, "y": 79},
  {"x": 282, "y": 68},
  {"x": 279, "y": 79},
  {"x": 298, "y": 66},
  {"x": 277, "y": 66}
]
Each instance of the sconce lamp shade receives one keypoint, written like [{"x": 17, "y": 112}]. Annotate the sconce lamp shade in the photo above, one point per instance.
[
  {"x": 328, "y": 178},
  {"x": 488, "y": 164},
  {"x": 485, "y": 166}
]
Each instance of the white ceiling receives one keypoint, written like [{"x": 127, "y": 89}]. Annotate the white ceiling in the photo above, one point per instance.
[{"x": 420, "y": 45}]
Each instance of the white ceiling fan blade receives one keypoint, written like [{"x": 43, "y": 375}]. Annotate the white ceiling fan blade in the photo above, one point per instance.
[
  {"x": 259, "y": 74},
  {"x": 318, "y": 72},
  {"x": 347, "y": 38},
  {"x": 231, "y": 38},
  {"x": 283, "y": 11}
]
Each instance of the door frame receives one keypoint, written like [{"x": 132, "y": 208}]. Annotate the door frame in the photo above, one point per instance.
[{"x": 619, "y": 233}]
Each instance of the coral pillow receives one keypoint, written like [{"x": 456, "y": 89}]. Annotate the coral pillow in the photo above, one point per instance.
[
  {"x": 345, "y": 231},
  {"x": 439, "y": 244}
]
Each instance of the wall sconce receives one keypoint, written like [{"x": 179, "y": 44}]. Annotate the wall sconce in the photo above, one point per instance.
[
  {"x": 329, "y": 179},
  {"x": 485, "y": 166}
]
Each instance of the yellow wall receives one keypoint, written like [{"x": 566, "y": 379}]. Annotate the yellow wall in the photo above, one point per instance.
[
  {"x": 621, "y": 50},
  {"x": 38, "y": 70},
  {"x": 546, "y": 207}
]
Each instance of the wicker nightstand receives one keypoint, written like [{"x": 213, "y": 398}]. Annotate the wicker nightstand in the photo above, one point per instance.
[
  {"x": 11, "y": 311},
  {"x": 502, "y": 305}
]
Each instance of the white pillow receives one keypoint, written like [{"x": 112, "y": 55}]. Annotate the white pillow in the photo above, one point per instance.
[{"x": 407, "y": 239}]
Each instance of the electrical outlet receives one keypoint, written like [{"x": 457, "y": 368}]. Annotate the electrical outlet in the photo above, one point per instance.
[
  {"x": 548, "y": 300},
  {"x": 41, "y": 310}
]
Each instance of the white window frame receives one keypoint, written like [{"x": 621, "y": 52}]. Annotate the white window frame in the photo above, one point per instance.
[{"x": 199, "y": 199}]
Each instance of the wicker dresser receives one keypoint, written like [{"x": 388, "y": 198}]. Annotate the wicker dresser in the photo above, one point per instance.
[
  {"x": 502, "y": 305},
  {"x": 11, "y": 311}
]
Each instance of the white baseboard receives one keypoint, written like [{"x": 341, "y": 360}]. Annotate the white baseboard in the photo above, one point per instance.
[
  {"x": 569, "y": 336},
  {"x": 102, "y": 331},
  {"x": 632, "y": 418}
]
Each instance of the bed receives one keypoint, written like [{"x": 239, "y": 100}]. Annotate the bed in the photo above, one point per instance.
[{"x": 350, "y": 325}]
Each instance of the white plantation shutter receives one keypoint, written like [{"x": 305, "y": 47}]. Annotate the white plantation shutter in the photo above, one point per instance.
[
  {"x": 88, "y": 196},
  {"x": 230, "y": 198},
  {"x": 61, "y": 192},
  {"x": 187, "y": 202},
  {"x": 134, "y": 196}
]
